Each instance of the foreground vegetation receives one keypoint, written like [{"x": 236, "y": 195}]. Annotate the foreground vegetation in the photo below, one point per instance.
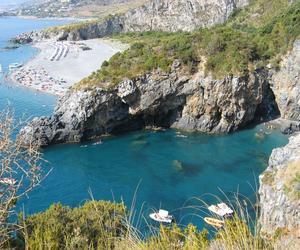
[
  {"x": 252, "y": 38},
  {"x": 20, "y": 172},
  {"x": 106, "y": 225}
]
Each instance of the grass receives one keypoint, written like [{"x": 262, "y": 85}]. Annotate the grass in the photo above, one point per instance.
[
  {"x": 291, "y": 179},
  {"x": 235, "y": 48},
  {"x": 73, "y": 26}
]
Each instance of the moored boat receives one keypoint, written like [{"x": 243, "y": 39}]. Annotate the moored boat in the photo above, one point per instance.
[
  {"x": 162, "y": 216},
  {"x": 13, "y": 66},
  {"x": 8, "y": 181},
  {"x": 221, "y": 209},
  {"x": 214, "y": 222}
]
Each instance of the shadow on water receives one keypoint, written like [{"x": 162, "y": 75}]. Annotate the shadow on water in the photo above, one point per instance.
[
  {"x": 261, "y": 158},
  {"x": 182, "y": 170}
]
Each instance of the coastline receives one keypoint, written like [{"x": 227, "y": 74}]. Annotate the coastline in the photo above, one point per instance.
[
  {"x": 75, "y": 19},
  {"x": 59, "y": 65}
]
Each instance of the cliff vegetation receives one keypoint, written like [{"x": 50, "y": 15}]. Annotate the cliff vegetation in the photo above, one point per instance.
[
  {"x": 106, "y": 225},
  {"x": 251, "y": 38}
]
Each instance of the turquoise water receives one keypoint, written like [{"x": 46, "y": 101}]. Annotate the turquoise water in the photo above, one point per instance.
[
  {"x": 22, "y": 100},
  {"x": 167, "y": 168}
]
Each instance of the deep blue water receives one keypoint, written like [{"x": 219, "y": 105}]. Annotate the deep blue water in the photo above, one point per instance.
[{"x": 168, "y": 169}]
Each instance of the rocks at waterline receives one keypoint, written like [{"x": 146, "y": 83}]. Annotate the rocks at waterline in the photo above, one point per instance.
[
  {"x": 29, "y": 37},
  {"x": 178, "y": 100}
]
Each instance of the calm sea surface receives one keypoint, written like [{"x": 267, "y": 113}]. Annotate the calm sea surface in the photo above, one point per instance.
[{"x": 168, "y": 169}]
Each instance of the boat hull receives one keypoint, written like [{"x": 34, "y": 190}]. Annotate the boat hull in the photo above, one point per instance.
[
  {"x": 214, "y": 222},
  {"x": 161, "y": 220}
]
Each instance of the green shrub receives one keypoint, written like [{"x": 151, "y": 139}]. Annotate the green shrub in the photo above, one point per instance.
[{"x": 94, "y": 225}]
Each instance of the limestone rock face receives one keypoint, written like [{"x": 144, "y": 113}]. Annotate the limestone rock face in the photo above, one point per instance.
[
  {"x": 178, "y": 100},
  {"x": 185, "y": 15},
  {"x": 159, "y": 15},
  {"x": 286, "y": 84},
  {"x": 279, "y": 190},
  {"x": 78, "y": 116}
]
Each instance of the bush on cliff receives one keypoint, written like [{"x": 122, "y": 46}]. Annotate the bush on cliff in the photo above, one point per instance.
[
  {"x": 95, "y": 225},
  {"x": 236, "y": 47}
]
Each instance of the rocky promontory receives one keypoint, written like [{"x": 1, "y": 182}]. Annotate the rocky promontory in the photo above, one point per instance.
[
  {"x": 175, "y": 99},
  {"x": 279, "y": 194}
]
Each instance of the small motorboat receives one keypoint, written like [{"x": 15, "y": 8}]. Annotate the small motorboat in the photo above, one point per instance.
[
  {"x": 221, "y": 209},
  {"x": 15, "y": 66},
  {"x": 1, "y": 70},
  {"x": 8, "y": 181},
  {"x": 97, "y": 143},
  {"x": 162, "y": 216},
  {"x": 214, "y": 222}
]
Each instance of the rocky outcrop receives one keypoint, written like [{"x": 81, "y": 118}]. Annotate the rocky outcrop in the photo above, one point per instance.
[
  {"x": 87, "y": 31},
  {"x": 285, "y": 84},
  {"x": 159, "y": 15},
  {"x": 30, "y": 37},
  {"x": 280, "y": 191},
  {"x": 105, "y": 28},
  {"x": 178, "y": 100},
  {"x": 185, "y": 15}
]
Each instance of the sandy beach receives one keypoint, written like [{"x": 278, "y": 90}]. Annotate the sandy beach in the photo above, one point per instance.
[{"x": 59, "y": 65}]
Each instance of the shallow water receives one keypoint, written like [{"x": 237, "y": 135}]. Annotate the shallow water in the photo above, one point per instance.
[{"x": 168, "y": 167}]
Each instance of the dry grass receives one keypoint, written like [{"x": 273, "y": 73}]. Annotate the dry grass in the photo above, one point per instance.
[{"x": 291, "y": 177}]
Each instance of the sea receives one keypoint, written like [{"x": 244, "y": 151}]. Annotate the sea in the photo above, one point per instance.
[{"x": 174, "y": 170}]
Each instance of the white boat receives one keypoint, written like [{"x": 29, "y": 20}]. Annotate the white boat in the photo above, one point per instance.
[
  {"x": 8, "y": 181},
  {"x": 221, "y": 209},
  {"x": 15, "y": 66},
  {"x": 97, "y": 143},
  {"x": 162, "y": 216},
  {"x": 1, "y": 68}
]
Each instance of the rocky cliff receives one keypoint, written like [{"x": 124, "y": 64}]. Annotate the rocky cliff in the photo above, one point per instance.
[
  {"x": 159, "y": 15},
  {"x": 280, "y": 194},
  {"x": 178, "y": 100},
  {"x": 185, "y": 15},
  {"x": 285, "y": 84},
  {"x": 75, "y": 32}
]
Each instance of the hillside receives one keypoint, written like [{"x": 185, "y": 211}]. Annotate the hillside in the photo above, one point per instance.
[
  {"x": 237, "y": 47},
  {"x": 75, "y": 8}
]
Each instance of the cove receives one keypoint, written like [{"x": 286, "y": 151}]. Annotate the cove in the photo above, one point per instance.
[{"x": 170, "y": 167}]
